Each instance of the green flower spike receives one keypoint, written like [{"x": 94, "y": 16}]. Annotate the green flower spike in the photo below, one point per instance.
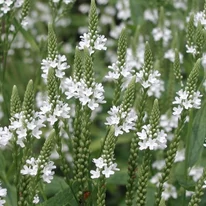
[
  {"x": 108, "y": 155},
  {"x": 93, "y": 22},
  {"x": 77, "y": 75},
  {"x": 171, "y": 152},
  {"x": 52, "y": 88},
  {"x": 78, "y": 65},
  {"x": 143, "y": 176},
  {"x": 193, "y": 77},
  {"x": 121, "y": 59},
  {"x": 199, "y": 39},
  {"x": 15, "y": 105},
  {"x": 132, "y": 161},
  {"x": 176, "y": 68},
  {"x": 28, "y": 103},
  {"x": 52, "y": 43},
  {"x": 190, "y": 31},
  {"x": 82, "y": 152},
  {"x": 25, "y": 9},
  {"x": 199, "y": 191},
  {"x": 43, "y": 160},
  {"x": 89, "y": 71}
]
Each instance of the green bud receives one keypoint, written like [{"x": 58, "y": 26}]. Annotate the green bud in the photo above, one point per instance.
[
  {"x": 52, "y": 87},
  {"x": 148, "y": 58},
  {"x": 129, "y": 96},
  {"x": 88, "y": 66},
  {"x": 52, "y": 43},
  {"x": 28, "y": 102},
  {"x": 15, "y": 105},
  {"x": 190, "y": 31},
  {"x": 93, "y": 19},
  {"x": 122, "y": 48},
  {"x": 78, "y": 64},
  {"x": 25, "y": 9},
  {"x": 193, "y": 77}
]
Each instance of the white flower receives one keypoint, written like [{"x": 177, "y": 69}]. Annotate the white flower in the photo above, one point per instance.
[
  {"x": 158, "y": 164},
  {"x": 196, "y": 173},
  {"x": 127, "y": 120},
  {"x": 95, "y": 173},
  {"x": 30, "y": 168},
  {"x": 169, "y": 191},
  {"x": 47, "y": 175},
  {"x": 3, "y": 191},
  {"x": 191, "y": 49},
  {"x": 99, "y": 163},
  {"x": 107, "y": 171},
  {"x": 36, "y": 199},
  {"x": 180, "y": 155},
  {"x": 158, "y": 141},
  {"x": 5, "y": 136}
]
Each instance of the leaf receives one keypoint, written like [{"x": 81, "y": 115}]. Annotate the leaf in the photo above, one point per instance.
[
  {"x": 195, "y": 147},
  {"x": 56, "y": 185},
  {"x": 119, "y": 178},
  {"x": 136, "y": 11},
  {"x": 64, "y": 198},
  {"x": 27, "y": 35}
]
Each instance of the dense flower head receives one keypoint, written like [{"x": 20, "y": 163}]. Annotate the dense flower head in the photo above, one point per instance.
[
  {"x": 60, "y": 111},
  {"x": 164, "y": 34},
  {"x": 185, "y": 100},
  {"x": 103, "y": 168},
  {"x": 5, "y": 136},
  {"x": 123, "y": 8},
  {"x": 123, "y": 121},
  {"x": 98, "y": 41},
  {"x": 33, "y": 165},
  {"x": 149, "y": 141},
  {"x": 91, "y": 97},
  {"x": 151, "y": 15},
  {"x": 151, "y": 81},
  {"x": 59, "y": 64},
  {"x": 8, "y": 5},
  {"x": 168, "y": 123},
  {"x": 22, "y": 126}
]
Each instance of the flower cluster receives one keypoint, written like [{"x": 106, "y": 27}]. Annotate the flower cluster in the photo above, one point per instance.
[
  {"x": 91, "y": 97},
  {"x": 152, "y": 82},
  {"x": 5, "y": 136},
  {"x": 3, "y": 193},
  {"x": 185, "y": 100},
  {"x": 22, "y": 126},
  {"x": 59, "y": 63},
  {"x": 104, "y": 168},
  {"x": 121, "y": 120},
  {"x": 32, "y": 167},
  {"x": 162, "y": 34},
  {"x": 60, "y": 111},
  {"x": 6, "y": 6},
  {"x": 152, "y": 142},
  {"x": 92, "y": 43}
]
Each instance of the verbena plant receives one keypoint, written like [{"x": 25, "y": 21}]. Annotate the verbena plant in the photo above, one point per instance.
[{"x": 123, "y": 123}]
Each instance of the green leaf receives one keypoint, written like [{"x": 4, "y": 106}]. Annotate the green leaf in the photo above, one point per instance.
[
  {"x": 119, "y": 178},
  {"x": 27, "y": 35},
  {"x": 56, "y": 185},
  {"x": 195, "y": 147},
  {"x": 136, "y": 11},
  {"x": 64, "y": 198}
]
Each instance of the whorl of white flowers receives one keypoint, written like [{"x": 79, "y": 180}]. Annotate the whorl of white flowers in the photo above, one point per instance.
[
  {"x": 104, "y": 168},
  {"x": 122, "y": 121}
]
